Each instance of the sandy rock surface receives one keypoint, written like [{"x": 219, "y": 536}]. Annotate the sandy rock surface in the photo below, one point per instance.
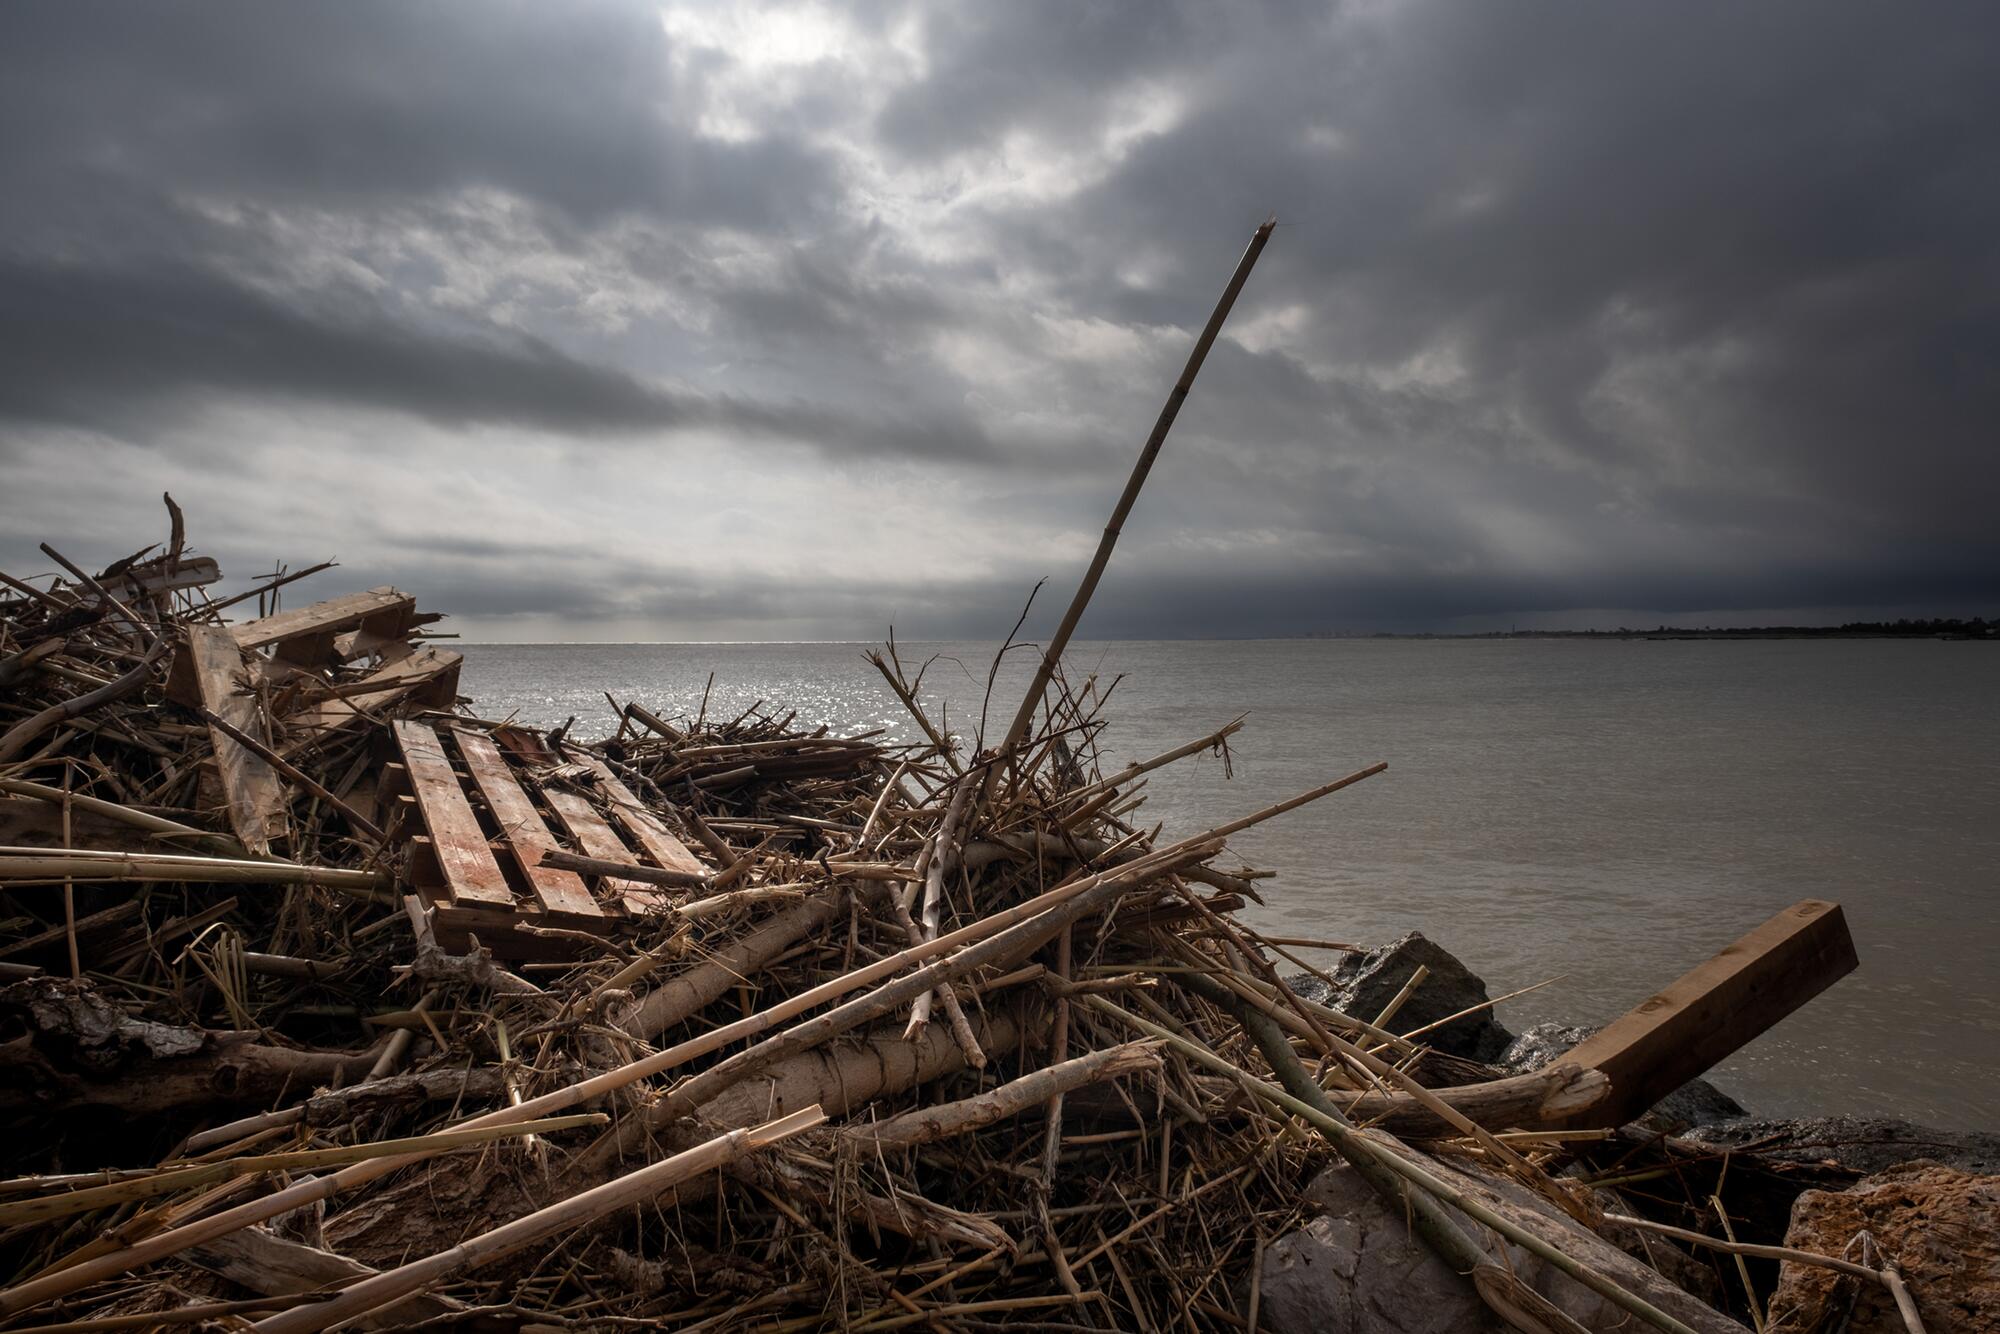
[{"x": 1941, "y": 1226}]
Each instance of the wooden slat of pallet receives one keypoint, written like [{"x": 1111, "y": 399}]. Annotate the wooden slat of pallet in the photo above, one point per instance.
[
  {"x": 598, "y": 839},
  {"x": 1716, "y": 1008},
  {"x": 644, "y": 827},
  {"x": 470, "y": 872},
  {"x": 306, "y": 634},
  {"x": 521, "y": 825},
  {"x": 251, "y": 788}
]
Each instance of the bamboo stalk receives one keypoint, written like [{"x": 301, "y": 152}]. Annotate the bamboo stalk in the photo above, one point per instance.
[
  {"x": 1018, "y": 729},
  {"x": 172, "y": 1179},
  {"x": 293, "y": 772},
  {"x": 20, "y": 863},
  {"x": 928, "y": 1124},
  {"x": 1409, "y": 1170},
  {"x": 224, "y": 844},
  {"x": 49, "y": 1285},
  {"x": 563, "y": 1216},
  {"x": 565, "y": 860}
]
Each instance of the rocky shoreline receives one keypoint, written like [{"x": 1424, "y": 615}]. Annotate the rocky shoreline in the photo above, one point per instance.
[{"x": 1925, "y": 1198}]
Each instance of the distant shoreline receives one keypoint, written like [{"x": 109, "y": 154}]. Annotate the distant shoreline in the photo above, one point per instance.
[
  {"x": 1355, "y": 637},
  {"x": 1988, "y": 636},
  {"x": 1928, "y": 627}
]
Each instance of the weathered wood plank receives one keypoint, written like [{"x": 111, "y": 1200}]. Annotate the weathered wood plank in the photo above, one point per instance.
[
  {"x": 645, "y": 827},
  {"x": 251, "y": 789},
  {"x": 1715, "y": 1009},
  {"x": 467, "y": 863},
  {"x": 306, "y": 634},
  {"x": 428, "y": 675},
  {"x": 598, "y": 839},
  {"x": 266, "y": 1263},
  {"x": 151, "y": 577},
  {"x": 521, "y": 825}
]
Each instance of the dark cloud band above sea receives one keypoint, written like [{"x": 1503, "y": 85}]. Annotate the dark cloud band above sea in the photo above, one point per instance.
[{"x": 614, "y": 320}]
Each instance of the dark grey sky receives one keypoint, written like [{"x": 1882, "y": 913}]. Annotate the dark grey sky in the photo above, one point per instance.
[{"x": 790, "y": 321}]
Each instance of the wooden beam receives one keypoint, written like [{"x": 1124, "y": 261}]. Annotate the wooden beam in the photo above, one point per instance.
[
  {"x": 1715, "y": 1009},
  {"x": 212, "y": 663},
  {"x": 599, "y": 840},
  {"x": 644, "y": 826},
  {"x": 470, "y": 872},
  {"x": 527, "y": 837},
  {"x": 306, "y": 634}
]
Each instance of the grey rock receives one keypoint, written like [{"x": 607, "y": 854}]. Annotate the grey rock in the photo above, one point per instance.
[
  {"x": 1366, "y": 981},
  {"x": 1855, "y": 1145},
  {"x": 1357, "y": 1273},
  {"x": 1356, "y": 1268},
  {"x": 1695, "y": 1103},
  {"x": 1540, "y": 1044}
]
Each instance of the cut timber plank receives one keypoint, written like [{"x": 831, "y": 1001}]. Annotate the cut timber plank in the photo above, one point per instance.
[
  {"x": 598, "y": 839},
  {"x": 470, "y": 873},
  {"x": 521, "y": 826},
  {"x": 1713, "y": 1010},
  {"x": 306, "y": 634},
  {"x": 644, "y": 826},
  {"x": 251, "y": 789}
]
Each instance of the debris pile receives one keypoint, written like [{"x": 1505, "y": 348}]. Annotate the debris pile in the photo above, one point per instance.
[
  {"x": 327, "y": 998},
  {"x": 326, "y": 1001}
]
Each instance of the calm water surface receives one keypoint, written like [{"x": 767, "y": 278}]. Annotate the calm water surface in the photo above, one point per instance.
[{"x": 1609, "y": 813}]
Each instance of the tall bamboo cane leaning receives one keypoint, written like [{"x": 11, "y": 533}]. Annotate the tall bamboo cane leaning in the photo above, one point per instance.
[{"x": 1053, "y": 654}]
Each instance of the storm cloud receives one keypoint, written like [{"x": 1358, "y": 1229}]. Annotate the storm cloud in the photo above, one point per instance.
[{"x": 657, "y": 321}]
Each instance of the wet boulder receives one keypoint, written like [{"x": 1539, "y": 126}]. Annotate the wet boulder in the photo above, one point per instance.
[
  {"x": 1357, "y": 1268},
  {"x": 1838, "y": 1150},
  {"x": 1367, "y": 980}
]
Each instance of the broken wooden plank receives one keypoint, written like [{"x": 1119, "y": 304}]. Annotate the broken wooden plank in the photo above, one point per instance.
[
  {"x": 307, "y": 634},
  {"x": 529, "y": 747},
  {"x": 211, "y": 663},
  {"x": 429, "y": 676},
  {"x": 152, "y": 577},
  {"x": 266, "y": 1263},
  {"x": 527, "y": 837},
  {"x": 364, "y": 643},
  {"x": 645, "y": 827},
  {"x": 463, "y": 857},
  {"x": 598, "y": 839},
  {"x": 1715, "y": 1009}
]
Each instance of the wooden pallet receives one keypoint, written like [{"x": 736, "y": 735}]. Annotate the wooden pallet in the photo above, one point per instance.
[{"x": 478, "y": 811}]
